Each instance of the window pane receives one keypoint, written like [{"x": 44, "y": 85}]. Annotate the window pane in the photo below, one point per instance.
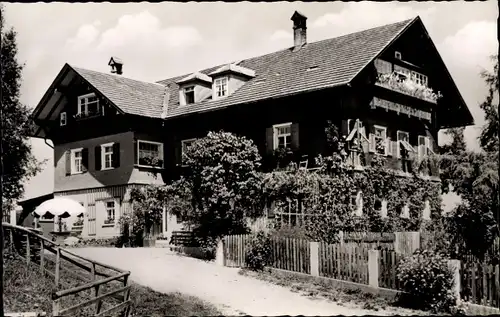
[{"x": 110, "y": 204}]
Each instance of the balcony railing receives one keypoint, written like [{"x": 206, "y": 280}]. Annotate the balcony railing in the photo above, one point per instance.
[
  {"x": 88, "y": 114},
  {"x": 407, "y": 86}
]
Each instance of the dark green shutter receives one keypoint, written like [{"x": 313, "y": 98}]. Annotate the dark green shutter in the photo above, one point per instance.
[
  {"x": 270, "y": 140},
  {"x": 135, "y": 152},
  {"x": 344, "y": 128},
  {"x": 97, "y": 156},
  {"x": 116, "y": 155},
  {"x": 68, "y": 162},
  {"x": 295, "y": 136},
  {"x": 178, "y": 152}
]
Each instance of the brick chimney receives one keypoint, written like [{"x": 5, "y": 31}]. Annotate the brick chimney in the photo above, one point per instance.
[
  {"x": 299, "y": 30},
  {"x": 116, "y": 65}
]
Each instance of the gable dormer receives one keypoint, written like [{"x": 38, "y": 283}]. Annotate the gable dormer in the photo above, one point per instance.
[
  {"x": 194, "y": 88},
  {"x": 229, "y": 78}
]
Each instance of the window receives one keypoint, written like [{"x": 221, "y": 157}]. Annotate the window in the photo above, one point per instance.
[
  {"x": 221, "y": 87},
  {"x": 403, "y": 143},
  {"x": 76, "y": 161},
  {"x": 150, "y": 153},
  {"x": 88, "y": 105},
  {"x": 63, "y": 119},
  {"x": 189, "y": 95},
  {"x": 282, "y": 136},
  {"x": 424, "y": 146},
  {"x": 378, "y": 142},
  {"x": 185, "y": 144},
  {"x": 110, "y": 212},
  {"x": 107, "y": 156},
  {"x": 383, "y": 67},
  {"x": 419, "y": 78},
  {"x": 397, "y": 55}
]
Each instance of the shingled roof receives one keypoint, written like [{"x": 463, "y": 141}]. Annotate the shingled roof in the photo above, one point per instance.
[{"x": 317, "y": 65}]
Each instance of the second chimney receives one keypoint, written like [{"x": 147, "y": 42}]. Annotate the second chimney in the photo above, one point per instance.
[
  {"x": 299, "y": 29},
  {"x": 116, "y": 65}
]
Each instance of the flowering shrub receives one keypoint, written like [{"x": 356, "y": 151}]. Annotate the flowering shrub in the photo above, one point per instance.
[
  {"x": 258, "y": 251},
  {"x": 426, "y": 277},
  {"x": 78, "y": 222},
  {"x": 408, "y": 86}
]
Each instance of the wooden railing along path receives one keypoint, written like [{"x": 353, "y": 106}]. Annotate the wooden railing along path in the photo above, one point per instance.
[{"x": 37, "y": 249}]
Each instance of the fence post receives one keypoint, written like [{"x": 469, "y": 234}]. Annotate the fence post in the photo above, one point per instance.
[
  {"x": 341, "y": 237},
  {"x": 406, "y": 242},
  {"x": 454, "y": 266},
  {"x": 42, "y": 251},
  {"x": 12, "y": 246},
  {"x": 56, "y": 306},
  {"x": 58, "y": 263},
  {"x": 373, "y": 267},
  {"x": 126, "y": 296},
  {"x": 314, "y": 258},
  {"x": 28, "y": 255},
  {"x": 219, "y": 254}
]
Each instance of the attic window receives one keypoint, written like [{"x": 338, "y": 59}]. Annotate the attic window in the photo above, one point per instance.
[
  {"x": 221, "y": 87},
  {"x": 397, "y": 55},
  {"x": 312, "y": 68},
  {"x": 189, "y": 94}
]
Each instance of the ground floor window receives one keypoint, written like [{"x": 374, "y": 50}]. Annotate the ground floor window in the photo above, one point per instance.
[{"x": 110, "y": 212}]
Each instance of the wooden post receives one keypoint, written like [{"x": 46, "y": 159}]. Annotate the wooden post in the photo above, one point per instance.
[
  {"x": 219, "y": 254},
  {"x": 373, "y": 269},
  {"x": 341, "y": 237},
  {"x": 58, "y": 264},
  {"x": 41, "y": 255},
  {"x": 12, "y": 246},
  {"x": 126, "y": 296},
  {"x": 56, "y": 307},
  {"x": 454, "y": 266},
  {"x": 28, "y": 256},
  {"x": 314, "y": 258},
  {"x": 95, "y": 291}
]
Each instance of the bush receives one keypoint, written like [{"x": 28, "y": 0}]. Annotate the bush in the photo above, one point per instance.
[
  {"x": 258, "y": 251},
  {"x": 426, "y": 277}
]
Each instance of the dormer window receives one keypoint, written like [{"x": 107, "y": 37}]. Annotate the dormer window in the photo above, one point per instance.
[
  {"x": 88, "y": 106},
  {"x": 221, "y": 87},
  {"x": 397, "y": 55},
  {"x": 189, "y": 95}
]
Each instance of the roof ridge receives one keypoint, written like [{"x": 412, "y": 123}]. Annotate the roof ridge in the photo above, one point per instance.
[
  {"x": 114, "y": 75},
  {"x": 288, "y": 48}
]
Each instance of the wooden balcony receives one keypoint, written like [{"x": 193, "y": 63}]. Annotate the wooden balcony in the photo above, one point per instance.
[{"x": 406, "y": 86}]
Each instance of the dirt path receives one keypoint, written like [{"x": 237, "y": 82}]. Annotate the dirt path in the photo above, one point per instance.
[{"x": 224, "y": 287}]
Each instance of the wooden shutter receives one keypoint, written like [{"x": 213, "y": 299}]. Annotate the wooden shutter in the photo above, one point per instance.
[
  {"x": 372, "y": 142},
  {"x": 295, "y": 136},
  {"x": 395, "y": 149},
  {"x": 68, "y": 162},
  {"x": 388, "y": 149},
  {"x": 178, "y": 152},
  {"x": 136, "y": 154},
  {"x": 85, "y": 160},
  {"x": 116, "y": 155},
  {"x": 421, "y": 146},
  {"x": 270, "y": 140},
  {"x": 97, "y": 156},
  {"x": 344, "y": 127}
]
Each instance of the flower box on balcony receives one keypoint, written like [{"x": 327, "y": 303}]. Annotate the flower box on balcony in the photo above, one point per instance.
[{"x": 407, "y": 86}]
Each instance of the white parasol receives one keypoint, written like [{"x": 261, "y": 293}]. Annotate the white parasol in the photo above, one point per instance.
[{"x": 59, "y": 207}]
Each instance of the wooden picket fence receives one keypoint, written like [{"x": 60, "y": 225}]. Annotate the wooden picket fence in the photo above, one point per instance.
[
  {"x": 388, "y": 263},
  {"x": 291, "y": 254},
  {"x": 348, "y": 262},
  {"x": 234, "y": 250},
  {"x": 480, "y": 283}
]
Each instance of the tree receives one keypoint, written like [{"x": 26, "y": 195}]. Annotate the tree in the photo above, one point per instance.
[
  {"x": 16, "y": 162},
  {"x": 221, "y": 184},
  {"x": 489, "y": 134}
]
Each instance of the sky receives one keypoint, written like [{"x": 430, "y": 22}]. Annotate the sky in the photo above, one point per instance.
[{"x": 161, "y": 40}]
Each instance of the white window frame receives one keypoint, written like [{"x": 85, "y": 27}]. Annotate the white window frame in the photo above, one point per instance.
[
  {"x": 103, "y": 156},
  {"x": 184, "y": 144},
  {"x": 187, "y": 90},
  {"x": 84, "y": 97},
  {"x": 107, "y": 209},
  {"x": 373, "y": 141},
  {"x": 276, "y": 135},
  {"x": 216, "y": 85},
  {"x": 63, "y": 119},
  {"x": 425, "y": 147},
  {"x": 399, "y": 142},
  {"x": 160, "y": 150},
  {"x": 73, "y": 161}
]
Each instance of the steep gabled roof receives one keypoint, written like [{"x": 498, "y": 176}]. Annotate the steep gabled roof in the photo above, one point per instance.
[
  {"x": 130, "y": 95},
  {"x": 318, "y": 65}
]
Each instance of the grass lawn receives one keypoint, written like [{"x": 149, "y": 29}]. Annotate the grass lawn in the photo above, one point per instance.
[
  {"x": 26, "y": 289},
  {"x": 344, "y": 297}
]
